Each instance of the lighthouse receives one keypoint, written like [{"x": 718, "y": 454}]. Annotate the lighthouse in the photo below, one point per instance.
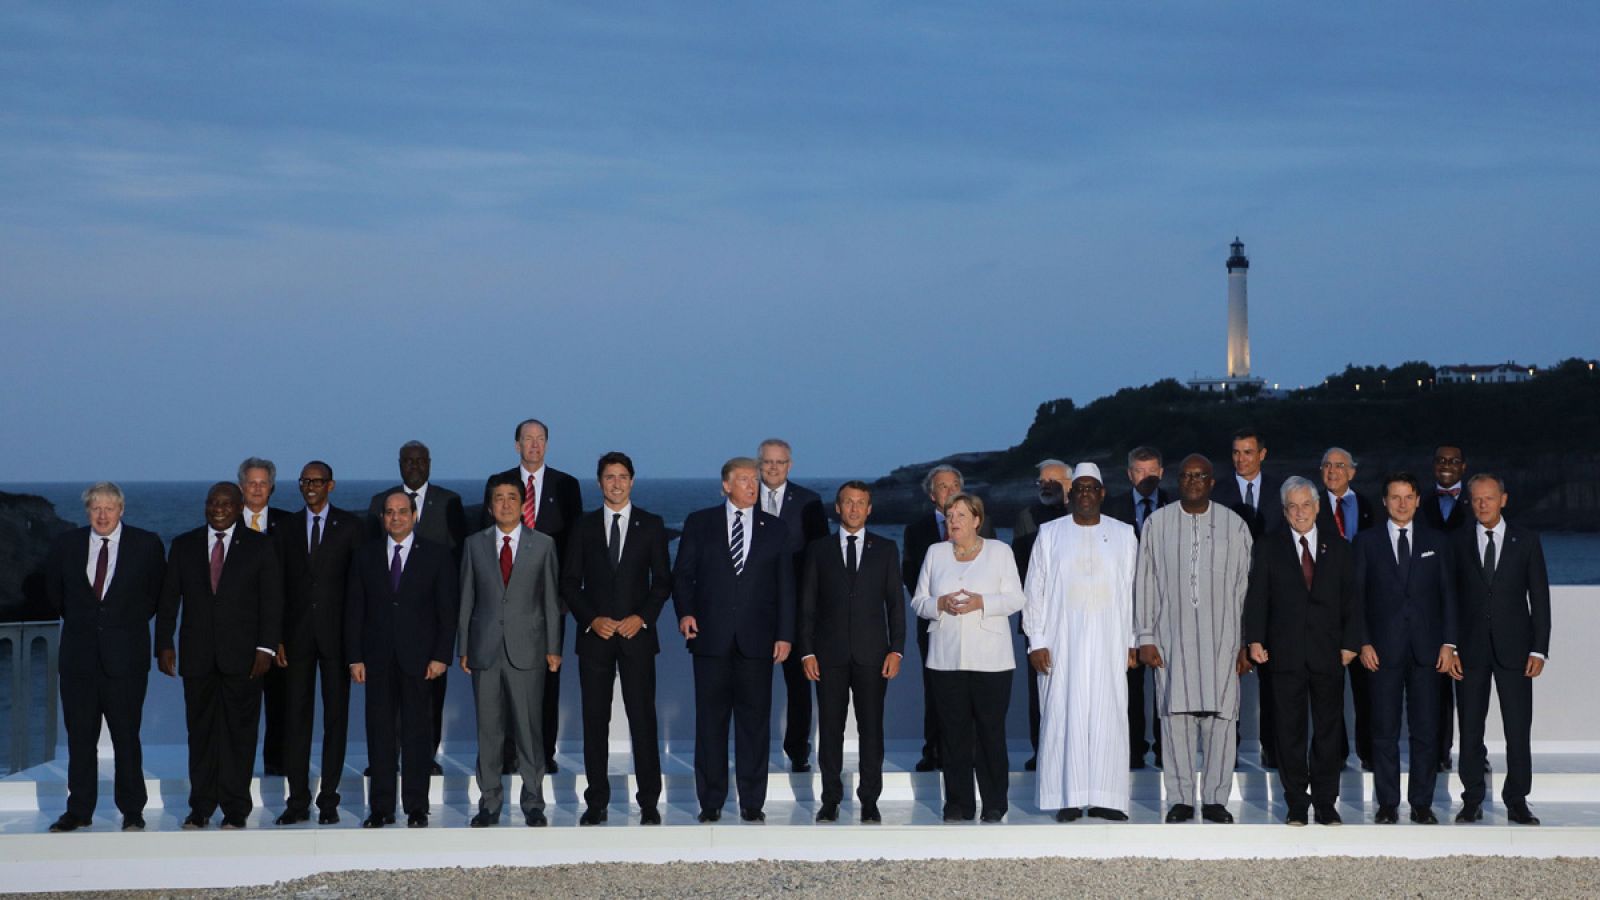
[{"x": 1238, "y": 312}]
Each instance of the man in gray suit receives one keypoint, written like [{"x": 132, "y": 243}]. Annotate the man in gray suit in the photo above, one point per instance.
[{"x": 510, "y": 636}]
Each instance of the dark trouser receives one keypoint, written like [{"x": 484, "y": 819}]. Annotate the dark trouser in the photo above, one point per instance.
[
  {"x": 972, "y": 725},
  {"x": 834, "y": 691},
  {"x": 390, "y": 691},
  {"x": 738, "y": 688},
  {"x": 930, "y": 712},
  {"x": 224, "y": 717},
  {"x": 1137, "y": 719},
  {"x": 1361, "y": 701},
  {"x": 1420, "y": 702},
  {"x": 1266, "y": 722},
  {"x": 1033, "y": 711},
  {"x": 596, "y": 673},
  {"x": 1292, "y": 692},
  {"x": 797, "y": 711},
  {"x": 120, "y": 699},
  {"x": 300, "y": 695},
  {"x": 436, "y": 706},
  {"x": 1447, "y": 717},
  {"x": 1515, "y": 691},
  {"x": 275, "y": 707}
]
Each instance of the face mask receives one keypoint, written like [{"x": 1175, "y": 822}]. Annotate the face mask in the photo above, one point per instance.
[{"x": 1050, "y": 493}]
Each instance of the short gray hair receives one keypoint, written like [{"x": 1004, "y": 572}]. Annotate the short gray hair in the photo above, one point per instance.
[
  {"x": 256, "y": 462},
  {"x": 106, "y": 489},
  {"x": 1052, "y": 461},
  {"x": 737, "y": 463},
  {"x": 1332, "y": 450},
  {"x": 774, "y": 442},
  {"x": 1142, "y": 453},
  {"x": 935, "y": 472},
  {"x": 1486, "y": 476},
  {"x": 1295, "y": 483}
]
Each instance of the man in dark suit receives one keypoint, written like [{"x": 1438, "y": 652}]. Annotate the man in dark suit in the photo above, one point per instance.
[
  {"x": 1347, "y": 513},
  {"x": 940, "y": 484},
  {"x": 317, "y": 546},
  {"x": 1447, "y": 508},
  {"x": 552, "y": 506},
  {"x": 1504, "y": 593},
  {"x": 1254, "y": 496},
  {"x": 258, "y": 479},
  {"x": 851, "y": 637},
  {"x": 1407, "y": 583},
  {"x": 399, "y": 632},
  {"x": 104, "y": 580},
  {"x": 1144, "y": 474},
  {"x": 227, "y": 582},
  {"x": 440, "y": 520},
  {"x": 801, "y": 511},
  {"x": 617, "y": 579},
  {"x": 511, "y": 629},
  {"x": 733, "y": 587},
  {"x": 1302, "y": 614}
]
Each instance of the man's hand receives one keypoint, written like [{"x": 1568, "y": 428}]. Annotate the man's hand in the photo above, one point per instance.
[
  {"x": 810, "y": 667},
  {"x": 1242, "y": 665},
  {"x": 283, "y": 658},
  {"x": 1345, "y": 656},
  {"x": 167, "y": 661},
  {"x": 891, "y": 666},
  {"x": 603, "y": 626},
  {"x": 358, "y": 673},
  {"x": 1535, "y": 666},
  {"x": 435, "y": 669},
  {"x": 1150, "y": 656},
  {"x": 552, "y": 661},
  {"x": 464, "y": 667},
  {"x": 1258, "y": 653},
  {"x": 1040, "y": 660},
  {"x": 262, "y": 664},
  {"x": 630, "y": 626},
  {"x": 688, "y": 628},
  {"x": 780, "y": 651},
  {"x": 1133, "y": 660},
  {"x": 1369, "y": 657},
  {"x": 1449, "y": 663}
]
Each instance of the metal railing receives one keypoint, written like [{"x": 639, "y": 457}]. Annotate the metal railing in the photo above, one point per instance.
[{"x": 34, "y": 686}]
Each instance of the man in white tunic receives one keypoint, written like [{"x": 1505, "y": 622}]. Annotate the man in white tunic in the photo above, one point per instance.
[
  {"x": 1079, "y": 622},
  {"x": 1194, "y": 567}
]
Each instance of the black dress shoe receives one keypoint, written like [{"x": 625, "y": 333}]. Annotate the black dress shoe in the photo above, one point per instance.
[
  {"x": 799, "y": 765},
  {"x": 1032, "y": 765},
  {"x": 550, "y": 767},
  {"x": 68, "y": 822},
  {"x": 927, "y": 764},
  {"x": 233, "y": 823},
  {"x": 828, "y": 813},
  {"x": 195, "y": 822},
  {"x": 1158, "y": 760},
  {"x": 1269, "y": 761},
  {"x": 992, "y": 815},
  {"x": 594, "y": 815},
  {"x": 1069, "y": 814},
  {"x": 1422, "y": 815},
  {"x": 710, "y": 815},
  {"x": 649, "y": 816},
  {"x": 1327, "y": 815},
  {"x": 435, "y": 769},
  {"x": 509, "y": 767},
  {"x": 870, "y": 815},
  {"x": 1366, "y": 765},
  {"x": 752, "y": 815},
  {"x": 1107, "y": 813},
  {"x": 1136, "y": 763},
  {"x": 483, "y": 820},
  {"x": 293, "y": 817},
  {"x": 1472, "y": 813},
  {"x": 417, "y": 820},
  {"x": 1521, "y": 815},
  {"x": 1386, "y": 815},
  {"x": 328, "y": 817},
  {"x": 536, "y": 819},
  {"x": 1296, "y": 817},
  {"x": 1216, "y": 812},
  {"x": 953, "y": 816},
  {"x": 1180, "y": 812},
  {"x": 1444, "y": 763},
  {"x": 377, "y": 821},
  {"x": 271, "y": 771}
]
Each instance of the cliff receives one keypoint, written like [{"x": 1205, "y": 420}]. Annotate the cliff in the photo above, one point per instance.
[{"x": 27, "y": 526}]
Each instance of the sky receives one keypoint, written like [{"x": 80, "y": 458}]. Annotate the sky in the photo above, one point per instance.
[{"x": 885, "y": 232}]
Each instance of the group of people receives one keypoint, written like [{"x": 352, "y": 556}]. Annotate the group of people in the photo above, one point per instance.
[{"x": 1296, "y": 582}]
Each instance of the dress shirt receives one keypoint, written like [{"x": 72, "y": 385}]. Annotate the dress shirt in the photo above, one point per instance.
[
  {"x": 1499, "y": 530},
  {"x": 1138, "y": 507},
  {"x": 538, "y": 482},
  {"x": 622, "y": 525},
  {"x": 405, "y": 550},
  {"x": 500, "y": 536},
  {"x": 1311, "y": 541},
  {"x": 227, "y": 542},
  {"x": 938, "y": 521},
  {"x": 1447, "y": 505},
  {"x": 1244, "y": 490},
  {"x": 772, "y": 498},
  {"x": 1394, "y": 537},
  {"x": 749, "y": 526},
  {"x": 111, "y": 555},
  {"x": 312, "y": 516},
  {"x": 422, "y": 497},
  {"x": 264, "y": 514},
  {"x": 1352, "y": 511},
  {"x": 844, "y": 544}
]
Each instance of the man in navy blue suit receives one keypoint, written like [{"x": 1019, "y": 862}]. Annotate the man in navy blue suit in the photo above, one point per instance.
[
  {"x": 1406, "y": 581},
  {"x": 733, "y": 587}
]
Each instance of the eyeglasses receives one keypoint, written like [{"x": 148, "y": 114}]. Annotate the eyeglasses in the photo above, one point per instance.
[
  {"x": 314, "y": 482},
  {"x": 1195, "y": 476},
  {"x": 1337, "y": 465},
  {"x": 1448, "y": 461}
]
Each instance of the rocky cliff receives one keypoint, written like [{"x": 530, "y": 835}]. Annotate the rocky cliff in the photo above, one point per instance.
[{"x": 27, "y": 526}]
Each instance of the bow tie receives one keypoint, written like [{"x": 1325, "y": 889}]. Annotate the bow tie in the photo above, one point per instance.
[{"x": 1453, "y": 493}]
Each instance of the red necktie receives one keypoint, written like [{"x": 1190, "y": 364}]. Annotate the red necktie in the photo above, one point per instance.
[
  {"x": 1308, "y": 567},
  {"x": 530, "y": 505},
  {"x": 505, "y": 559},
  {"x": 1454, "y": 492},
  {"x": 216, "y": 563},
  {"x": 1338, "y": 518},
  {"x": 100, "y": 567}
]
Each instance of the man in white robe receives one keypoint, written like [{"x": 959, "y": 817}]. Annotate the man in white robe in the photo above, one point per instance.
[{"x": 1079, "y": 622}]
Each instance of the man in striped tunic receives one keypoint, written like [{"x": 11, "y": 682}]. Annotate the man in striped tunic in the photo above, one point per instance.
[{"x": 1194, "y": 567}]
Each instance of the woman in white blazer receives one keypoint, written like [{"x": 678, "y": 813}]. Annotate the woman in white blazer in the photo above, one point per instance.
[{"x": 968, "y": 589}]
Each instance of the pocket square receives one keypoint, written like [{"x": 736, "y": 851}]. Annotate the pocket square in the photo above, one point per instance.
[{"x": 1426, "y": 554}]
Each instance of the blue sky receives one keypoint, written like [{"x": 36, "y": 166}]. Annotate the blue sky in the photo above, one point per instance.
[{"x": 884, "y": 231}]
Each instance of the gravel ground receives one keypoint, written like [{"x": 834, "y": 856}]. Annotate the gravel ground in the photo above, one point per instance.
[{"x": 1314, "y": 877}]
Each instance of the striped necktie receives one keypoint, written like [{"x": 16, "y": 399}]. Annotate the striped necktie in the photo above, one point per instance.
[{"x": 736, "y": 542}]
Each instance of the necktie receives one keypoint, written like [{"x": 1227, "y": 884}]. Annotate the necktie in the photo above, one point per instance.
[
  {"x": 850, "y": 555},
  {"x": 1149, "y": 506},
  {"x": 216, "y": 563},
  {"x": 616, "y": 539},
  {"x": 736, "y": 543},
  {"x": 316, "y": 532},
  {"x": 1338, "y": 518},
  {"x": 101, "y": 565},
  {"x": 944, "y": 535},
  {"x": 772, "y": 501},
  {"x": 1308, "y": 567},
  {"x": 1403, "y": 556},
  {"x": 1250, "y": 494},
  {"x": 255, "y": 521},
  {"x": 1488, "y": 556},
  {"x": 530, "y": 505},
  {"x": 505, "y": 559},
  {"x": 1452, "y": 493},
  {"x": 1447, "y": 499},
  {"x": 394, "y": 571},
  {"x": 415, "y": 505}
]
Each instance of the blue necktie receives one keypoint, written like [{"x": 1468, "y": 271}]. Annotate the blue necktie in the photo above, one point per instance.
[{"x": 736, "y": 543}]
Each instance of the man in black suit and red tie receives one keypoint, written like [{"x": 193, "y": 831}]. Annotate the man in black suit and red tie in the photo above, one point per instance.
[
  {"x": 227, "y": 582},
  {"x": 851, "y": 637},
  {"x": 1446, "y": 508},
  {"x": 1504, "y": 591},
  {"x": 318, "y": 546},
  {"x": 1146, "y": 496},
  {"x": 399, "y": 635},
  {"x": 733, "y": 586},
  {"x": 552, "y": 504},
  {"x": 104, "y": 581},
  {"x": 1347, "y": 513},
  {"x": 617, "y": 580},
  {"x": 258, "y": 479}
]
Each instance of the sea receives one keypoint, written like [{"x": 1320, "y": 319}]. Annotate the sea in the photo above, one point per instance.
[{"x": 170, "y": 508}]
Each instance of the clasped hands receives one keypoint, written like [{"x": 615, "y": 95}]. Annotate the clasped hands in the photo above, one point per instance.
[
  {"x": 606, "y": 627},
  {"x": 960, "y": 602}
]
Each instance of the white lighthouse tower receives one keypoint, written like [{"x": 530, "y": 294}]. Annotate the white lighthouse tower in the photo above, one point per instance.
[{"x": 1238, "y": 312}]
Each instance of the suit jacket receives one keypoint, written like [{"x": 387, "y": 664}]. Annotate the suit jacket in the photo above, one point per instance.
[
  {"x": 1303, "y": 630},
  {"x": 803, "y": 514},
  {"x": 1416, "y": 615},
  {"x": 110, "y": 636},
  {"x": 1268, "y": 513},
  {"x": 920, "y": 534},
  {"x": 560, "y": 506},
  {"x": 315, "y": 583},
  {"x": 1460, "y": 513},
  {"x": 1507, "y": 616},
  {"x": 1368, "y": 515},
  {"x": 417, "y": 623},
  {"x": 522, "y": 615},
  {"x": 1121, "y": 508},
  {"x": 276, "y": 519},
  {"x": 639, "y": 585},
  {"x": 851, "y": 617},
  {"x": 747, "y": 611},
  {"x": 440, "y": 520},
  {"x": 221, "y": 631}
]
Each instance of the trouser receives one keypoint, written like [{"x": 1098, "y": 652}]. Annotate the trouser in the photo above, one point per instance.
[
  {"x": 1515, "y": 690},
  {"x": 508, "y": 701},
  {"x": 738, "y": 689},
  {"x": 1033, "y": 714},
  {"x": 224, "y": 718},
  {"x": 1447, "y": 718},
  {"x": 836, "y": 687},
  {"x": 1266, "y": 720},
  {"x": 1323, "y": 693},
  {"x": 1184, "y": 733},
  {"x": 797, "y": 711},
  {"x": 1405, "y": 684},
  {"x": 972, "y": 728},
  {"x": 1137, "y": 719},
  {"x": 930, "y": 711},
  {"x": 1361, "y": 701},
  {"x": 120, "y": 700},
  {"x": 396, "y": 694},
  {"x": 550, "y": 718},
  {"x": 596, "y": 674},
  {"x": 300, "y": 681},
  {"x": 275, "y": 734}
]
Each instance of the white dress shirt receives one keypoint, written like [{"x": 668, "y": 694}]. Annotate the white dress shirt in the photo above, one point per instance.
[
  {"x": 111, "y": 555},
  {"x": 500, "y": 535},
  {"x": 421, "y": 498},
  {"x": 626, "y": 512},
  {"x": 749, "y": 526},
  {"x": 538, "y": 482},
  {"x": 227, "y": 543},
  {"x": 1394, "y": 536},
  {"x": 311, "y": 518},
  {"x": 405, "y": 546},
  {"x": 844, "y": 544},
  {"x": 262, "y": 516},
  {"x": 1499, "y": 530},
  {"x": 1311, "y": 541}
]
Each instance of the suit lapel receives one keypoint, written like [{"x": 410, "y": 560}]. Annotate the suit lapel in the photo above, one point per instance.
[{"x": 522, "y": 565}]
